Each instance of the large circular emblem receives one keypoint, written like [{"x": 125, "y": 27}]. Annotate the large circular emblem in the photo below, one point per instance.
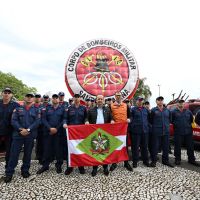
[{"x": 104, "y": 67}]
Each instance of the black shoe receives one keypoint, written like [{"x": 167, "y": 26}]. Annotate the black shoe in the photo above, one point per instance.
[
  {"x": 177, "y": 162},
  {"x": 43, "y": 169},
  {"x": 106, "y": 172},
  {"x": 68, "y": 170},
  {"x": 81, "y": 170},
  {"x": 195, "y": 163},
  {"x": 58, "y": 170},
  {"x": 7, "y": 179},
  {"x": 94, "y": 172},
  {"x": 25, "y": 174},
  {"x": 153, "y": 164},
  {"x": 134, "y": 164},
  {"x": 170, "y": 152},
  {"x": 146, "y": 164},
  {"x": 168, "y": 164},
  {"x": 128, "y": 167},
  {"x": 113, "y": 167},
  {"x": 41, "y": 162}
]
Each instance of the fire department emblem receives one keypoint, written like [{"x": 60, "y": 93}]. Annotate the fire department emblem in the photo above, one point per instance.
[{"x": 101, "y": 67}]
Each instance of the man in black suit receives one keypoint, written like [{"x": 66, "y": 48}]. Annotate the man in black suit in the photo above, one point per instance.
[{"x": 99, "y": 114}]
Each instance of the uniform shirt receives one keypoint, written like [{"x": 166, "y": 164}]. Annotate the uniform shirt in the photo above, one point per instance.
[
  {"x": 6, "y": 111},
  {"x": 39, "y": 106},
  {"x": 160, "y": 120},
  {"x": 52, "y": 117},
  {"x": 139, "y": 120},
  {"x": 100, "y": 118},
  {"x": 182, "y": 121},
  {"x": 25, "y": 118},
  {"x": 75, "y": 115},
  {"x": 64, "y": 103}
]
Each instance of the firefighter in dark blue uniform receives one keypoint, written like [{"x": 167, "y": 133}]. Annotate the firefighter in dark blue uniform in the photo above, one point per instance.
[
  {"x": 45, "y": 100},
  {"x": 182, "y": 120},
  {"x": 61, "y": 100},
  {"x": 6, "y": 109},
  {"x": 160, "y": 118},
  {"x": 139, "y": 132},
  {"x": 65, "y": 104},
  {"x": 147, "y": 106},
  {"x": 52, "y": 119},
  {"x": 70, "y": 101},
  {"x": 39, "y": 141},
  {"x": 25, "y": 120},
  {"x": 76, "y": 115}
]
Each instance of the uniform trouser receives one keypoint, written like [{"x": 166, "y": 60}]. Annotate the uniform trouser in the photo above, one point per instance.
[
  {"x": 160, "y": 147},
  {"x": 189, "y": 145},
  {"x": 8, "y": 142},
  {"x": 65, "y": 150},
  {"x": 142, "y": 142},
  {"x": 53, "y": 145},
  {"x": 16, "y": 147},
  {"x": 39, "y": 145},
  {"x": 155, "y": 140},
  {"x": 149, "y": 143}
]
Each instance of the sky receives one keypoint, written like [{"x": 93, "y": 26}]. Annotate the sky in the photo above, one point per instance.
[{"x": 37, "y": 37}]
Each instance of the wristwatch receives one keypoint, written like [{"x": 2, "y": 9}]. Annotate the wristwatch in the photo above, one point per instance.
[{"x": 28, "y": 129}]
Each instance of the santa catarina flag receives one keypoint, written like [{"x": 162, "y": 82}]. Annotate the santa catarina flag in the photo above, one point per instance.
[{"x": 96, "y": 144}]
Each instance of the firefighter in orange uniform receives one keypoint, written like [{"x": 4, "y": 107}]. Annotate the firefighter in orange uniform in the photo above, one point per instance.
[{"x": 121, "y": 113}]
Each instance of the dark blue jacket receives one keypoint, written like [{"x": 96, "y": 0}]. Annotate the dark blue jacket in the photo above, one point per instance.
[
  {"x": 40, "y": 108},
  {"x": 182, "y": 121},
  {"x": 75, "y": 116},
  {"x": 64, "y": 103},
  {"x": 139, "y": 120},
  {"x": 160, "y": 121},
  {"x": 53, "y": 118},
  {"x": 5, "y": 117},
  {"x": 22, "y": 118}
]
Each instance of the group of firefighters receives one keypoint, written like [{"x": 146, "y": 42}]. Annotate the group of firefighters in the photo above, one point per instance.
[{"x": 46, "y": 121}]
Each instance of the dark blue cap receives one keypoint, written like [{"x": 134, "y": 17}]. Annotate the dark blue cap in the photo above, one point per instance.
[
  {"x": 160, "y": 98},
  {"x": 76, "y": 95},
  {"x": 139, "y": 98},
  {"x": 29, "y": 94},
  {"x": 45, "y": 96},
  {"x": 61, "y": 94},
  {"x": 37, "y": 95},
  {"x": 54, "y": 95},
  {"x": 7, "y": 89},
  {"x": 181, "y": 101}
]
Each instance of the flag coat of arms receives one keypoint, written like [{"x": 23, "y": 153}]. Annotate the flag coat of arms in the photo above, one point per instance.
[{"x": 96, "y": 144}]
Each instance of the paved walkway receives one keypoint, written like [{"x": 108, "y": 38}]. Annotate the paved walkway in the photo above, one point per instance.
[{"x": 143, "y": 183}]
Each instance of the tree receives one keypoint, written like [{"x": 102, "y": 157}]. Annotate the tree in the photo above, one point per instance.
[
  {"x": 18, "y": 87},
  {"x": 143, "y": 90}
]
